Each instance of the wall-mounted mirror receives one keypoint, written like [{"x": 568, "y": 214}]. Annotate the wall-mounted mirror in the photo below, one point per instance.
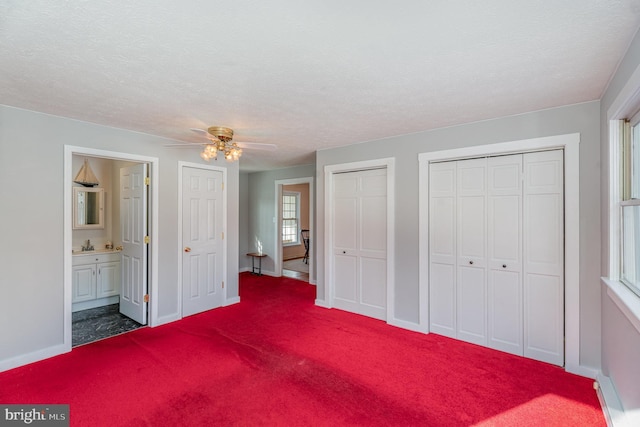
[{"x": 88, "y": 208}]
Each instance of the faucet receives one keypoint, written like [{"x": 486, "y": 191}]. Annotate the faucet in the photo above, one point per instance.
[{"x": 89, "y": 247}]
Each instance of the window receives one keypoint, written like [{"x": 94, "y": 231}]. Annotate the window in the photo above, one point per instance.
[
  {"x": 290, "y": 218},
  {"x": 630, "y": 205}
]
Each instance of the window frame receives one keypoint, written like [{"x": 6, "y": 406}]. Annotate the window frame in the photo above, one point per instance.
[
  {"x": 626, "y": 191},
  {"x": 297, "y": 241}
]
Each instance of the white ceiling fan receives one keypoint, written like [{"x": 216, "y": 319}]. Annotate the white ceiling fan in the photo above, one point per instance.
[{"x": 220, "y": 139}]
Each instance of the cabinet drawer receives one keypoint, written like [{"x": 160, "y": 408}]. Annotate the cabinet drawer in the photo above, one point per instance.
[{"x": 94, "y": 258}]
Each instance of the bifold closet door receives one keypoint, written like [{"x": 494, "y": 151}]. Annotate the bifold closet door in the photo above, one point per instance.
[
  {"x": 543, "y": 268},
  {"x": 360, "y": 242},
  {"x": 442, "y": 248},
  {"x": 504, "y": 302},
  {"x": 471, "y": 280}
]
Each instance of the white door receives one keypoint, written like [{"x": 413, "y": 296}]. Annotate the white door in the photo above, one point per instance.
[
  {"x": 543, "y": 268},
  {"x": 472, "y": 251},
  {"x": 360, "y": 242},
  {"x": 133, "y": 226},
  {"x": 504, "y": 302},
  {"x": 202, "y": 234},
  {"x": 442, "y": 248}
]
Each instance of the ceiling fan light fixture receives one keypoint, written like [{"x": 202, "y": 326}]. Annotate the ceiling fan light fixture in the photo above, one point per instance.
[{"x": 221, "y": 138}]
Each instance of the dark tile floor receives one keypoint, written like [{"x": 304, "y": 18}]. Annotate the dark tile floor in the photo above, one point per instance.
[{"x": 98, "y": 323}]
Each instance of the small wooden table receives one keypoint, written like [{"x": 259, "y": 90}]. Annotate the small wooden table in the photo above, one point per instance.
[{"x": 253, "y": 256}]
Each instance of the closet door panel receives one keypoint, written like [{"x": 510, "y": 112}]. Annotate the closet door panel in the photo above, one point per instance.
[
  {"x": 544, "y": 257},
  {"x": 442, "y": 248},
  {"x": 471, "y": 245},
  {"x": 504, "y": 302}
]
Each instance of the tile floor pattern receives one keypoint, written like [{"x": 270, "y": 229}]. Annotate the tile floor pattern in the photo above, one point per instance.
[{"x": 98, "y": 323}]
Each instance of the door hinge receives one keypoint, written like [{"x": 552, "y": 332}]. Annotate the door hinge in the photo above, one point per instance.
[
  {"x": 223, "y": 235},
  {"x": 147, "y": 239},
  {"x": 147, "y": 180},
  {"x": 223, "y": 186},
  {"x": 223, "y": 285},
  {"x": 146, "y": 298}
]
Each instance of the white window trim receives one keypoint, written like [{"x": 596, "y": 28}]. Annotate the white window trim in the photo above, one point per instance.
[
  {"x": 626, "y": 103},
  {"x": 297, "y": 242}
]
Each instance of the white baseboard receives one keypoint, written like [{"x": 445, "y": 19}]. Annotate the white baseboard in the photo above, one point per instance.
[
  {"x": 312, "y": 282},
  {"x": 36, "y": 356},
  {"x": 162, "y": 320},
  {"x": 404, "y": 324},
  {"x": 231, "y": 301},
  {"x": 613, "y": 411},
  {"x": 244, "y": 269},
  {"x": 322, "y": 303}
]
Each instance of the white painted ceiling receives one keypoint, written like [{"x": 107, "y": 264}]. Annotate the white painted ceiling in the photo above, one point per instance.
[{"x": 306, "y": 75}]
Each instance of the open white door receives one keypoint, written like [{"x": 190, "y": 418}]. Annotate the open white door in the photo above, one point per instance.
[
  {"x": 133, "y": 225},
  {"x": 202, "y": 238}
]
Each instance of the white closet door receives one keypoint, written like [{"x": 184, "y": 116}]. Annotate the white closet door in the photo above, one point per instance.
[
  {"x": 360, "y": 242},
  {"x": 544, "y": 257},
  {"x": 442, "y": 248},
  {"x": 471, "y": 314},
  {"x": 505, "y": 253}
]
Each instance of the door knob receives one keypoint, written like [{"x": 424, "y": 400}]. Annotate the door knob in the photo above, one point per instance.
[
  {"x": 187, "y": 249},
  {"x": 471, "y": 262}
]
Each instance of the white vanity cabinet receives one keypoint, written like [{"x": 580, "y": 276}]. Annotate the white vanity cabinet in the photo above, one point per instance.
[{"x": 96, "y": 279}]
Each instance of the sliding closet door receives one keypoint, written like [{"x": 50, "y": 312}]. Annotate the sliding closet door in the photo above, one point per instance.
[
  {"x": 360, "y": 242},
  {"x": 442, "y": 248},
  {"x": 544, "y": 257},
  {"x": 471, "y": 315},
  {"x": 504, "y": 304}
]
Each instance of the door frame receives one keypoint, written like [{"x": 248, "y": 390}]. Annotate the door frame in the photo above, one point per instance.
[
  {"x": 570, "y": 143},
  {"x": 278, "y": 204},
  {"x": 67, "y": 245},
  {"x": 329, "y": 172},
  {"x": 181, "y": 166}
]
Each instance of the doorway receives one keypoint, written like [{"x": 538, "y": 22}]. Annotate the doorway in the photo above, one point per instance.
[
  {"x": 293, "y": 256},
  {"x": 98, "y": 264}
]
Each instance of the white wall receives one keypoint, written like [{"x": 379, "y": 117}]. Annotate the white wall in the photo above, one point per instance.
[
  {"x": 262, "y": 208},
  {"x": 581, "y": 118},
  {"x": 31, "y": 194},
  {"x": 620, "y": 339}
]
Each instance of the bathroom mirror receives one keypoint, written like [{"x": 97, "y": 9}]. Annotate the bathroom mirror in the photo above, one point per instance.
[{"x": 88, "y": 208}]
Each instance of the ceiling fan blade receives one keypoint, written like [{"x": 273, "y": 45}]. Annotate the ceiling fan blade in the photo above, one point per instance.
[
  {"x": 257, "y": 146},
  {"x": 200, "y": 131},
  {"x": 185, "y": 144}
]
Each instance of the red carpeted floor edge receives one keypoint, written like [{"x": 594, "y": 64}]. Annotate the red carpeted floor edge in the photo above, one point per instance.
[{"x": 276, "y": 359}]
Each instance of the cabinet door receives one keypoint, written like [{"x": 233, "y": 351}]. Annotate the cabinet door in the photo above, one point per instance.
[
  {"x": 504, "y": 301},
  {"x": 472, "y": 251},
  {"x": 84, "y": 283},
  {"x": 108, "y": 279}
]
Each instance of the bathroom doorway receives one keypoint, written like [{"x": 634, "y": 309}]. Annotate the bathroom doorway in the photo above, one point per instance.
[{"x": 110, "y": 270}]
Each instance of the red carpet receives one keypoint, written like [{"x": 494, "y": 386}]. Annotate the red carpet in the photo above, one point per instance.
[{"x": 276, "y": 359}]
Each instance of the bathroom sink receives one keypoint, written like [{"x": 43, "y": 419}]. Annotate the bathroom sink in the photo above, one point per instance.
[{"x": 95, "y": 251}]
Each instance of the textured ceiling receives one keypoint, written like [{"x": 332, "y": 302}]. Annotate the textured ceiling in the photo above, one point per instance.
[{"x": 306, "y": 75}]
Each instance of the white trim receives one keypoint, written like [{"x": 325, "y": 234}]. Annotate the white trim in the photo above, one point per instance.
[
  {"x": 404, "y": 324},
  {"x": 36, "y": 356},
  {"x": 570, "y": 144},
  {"x": 277, "y": 259},
  {"x": 614, "y": 413},
  {"x": 616, "y": 136},
  {"x": 154, "y": 163},
  {"x": 181, "y": 166},
  {"x": 231, "y": 301},
  {"x": 624, "y": 299},
  {"x": 322, "y": 303},
  {"x": 168, "y": 319},
  {"x": 329, "y": 171}
]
